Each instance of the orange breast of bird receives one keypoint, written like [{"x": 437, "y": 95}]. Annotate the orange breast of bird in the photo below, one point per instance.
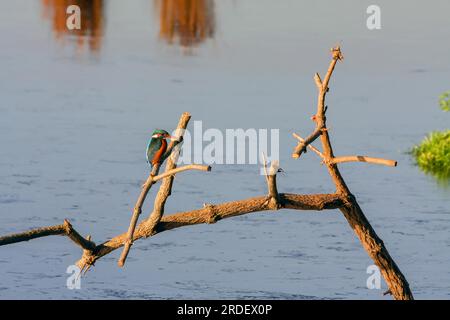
[{"x": 160, "y": 152}]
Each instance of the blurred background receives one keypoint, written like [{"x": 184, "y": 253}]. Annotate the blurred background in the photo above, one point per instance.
[{"x": 78, "y": 107}]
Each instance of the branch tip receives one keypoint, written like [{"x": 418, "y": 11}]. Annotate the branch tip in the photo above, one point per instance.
[{"x": 336, "y": 53}]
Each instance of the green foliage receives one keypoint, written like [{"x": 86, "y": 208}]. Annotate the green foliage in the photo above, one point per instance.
[
  {"x": 444, "y": 101},
  {"x": 433, "y": 154}
]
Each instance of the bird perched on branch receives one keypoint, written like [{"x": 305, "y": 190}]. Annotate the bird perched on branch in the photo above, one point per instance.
[{"x": 157, "y": 147}]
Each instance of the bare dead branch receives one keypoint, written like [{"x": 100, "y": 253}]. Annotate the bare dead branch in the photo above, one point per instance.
[
  {"x": 318, "y": 81},
  {"x": 173, "y": 172},
  {"x": 374, "y": 246},
  {"x": 337, "y": 55},
  {"x": 342, "y": 199},
  {"x": 84, "y": 243},
  {"x": 385, "y": 162},
  {"x": 266, "y": 173},
  {"x": 301, "y": 146},
  {"x": 317, "y": 202},
  {"x": 212, "y": 213},
  {"x": 342, "y": 159},
  {"x": 165, "y": 189},
  {"x": 184, "y": 120},
  {"x": 319, "y": 117},
  {"x": 271, "y": 179},
  {"x": 59, "y": 229},
  {"x": 137, "y": 211},
  {"x": 317, "y": 151},
  {"x": 146, "y": 187},
  {"x": 64, "y": 229}
]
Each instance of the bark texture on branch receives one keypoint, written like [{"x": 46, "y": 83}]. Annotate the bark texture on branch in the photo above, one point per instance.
[
  {"x": 385, "y": 162},
  {"x": 396, "y": 281},
  {"x": 208, "y": 214},
  {"x": 156, "y": 222},
  {"x": 64, "y": 229},
  {"x": 153, "y": 178},
  {"x": 213, "y": 213}
]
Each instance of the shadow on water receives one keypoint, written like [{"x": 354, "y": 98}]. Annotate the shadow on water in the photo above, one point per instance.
[
  {"x": 186, "y": 22},
  {"x": 442, "y": 179},
  {"x": 92, "y": 22},
  {"x": 439, "y": 175}
]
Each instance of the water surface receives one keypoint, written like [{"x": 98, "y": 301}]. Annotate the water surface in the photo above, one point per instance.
[{"x": 77, "y": 109}]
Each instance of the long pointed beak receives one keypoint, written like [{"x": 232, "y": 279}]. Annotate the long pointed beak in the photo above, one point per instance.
[{"x": 172, "y": 138}]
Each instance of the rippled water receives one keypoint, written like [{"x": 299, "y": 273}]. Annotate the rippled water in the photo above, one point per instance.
[{"x": 76, "y": 112}]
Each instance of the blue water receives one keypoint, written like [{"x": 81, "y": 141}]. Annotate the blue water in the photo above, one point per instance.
[{"x": 74, "y": 125}]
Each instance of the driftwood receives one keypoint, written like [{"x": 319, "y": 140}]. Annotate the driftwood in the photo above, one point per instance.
[{"x": 342, "y": 199}]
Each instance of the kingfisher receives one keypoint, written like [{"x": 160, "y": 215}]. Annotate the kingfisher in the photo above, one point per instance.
[{"x": 157, "y": 147}]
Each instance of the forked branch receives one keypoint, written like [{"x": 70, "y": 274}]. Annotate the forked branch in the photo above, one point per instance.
[
  {"x": 156, "y": 223},
  {"x": 398, "y": 286},
  {"x": 385, "y": 162},
  {"x": 172, "y": 151}
]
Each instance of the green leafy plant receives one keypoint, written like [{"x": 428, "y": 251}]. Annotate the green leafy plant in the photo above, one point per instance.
[
  {"x": 444, "y": 101},
  {"x": 433, "y": 154}
]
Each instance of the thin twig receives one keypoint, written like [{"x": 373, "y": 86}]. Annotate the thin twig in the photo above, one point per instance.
[
  {"x": 302, "y": 145},
  {"x": 266, "y": 174},
  {"x": 385, "y": 162},
  {"x": 317, "y": 151},
  {"x": 137, "y": 211},
  {"x": 64, "y": 229},
  {"x": 173, "y": 172}
]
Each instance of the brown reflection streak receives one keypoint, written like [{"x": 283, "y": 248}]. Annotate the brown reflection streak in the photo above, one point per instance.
[
  {"x": 91, "y": 21},
  {"x": 189, "y": 21}
]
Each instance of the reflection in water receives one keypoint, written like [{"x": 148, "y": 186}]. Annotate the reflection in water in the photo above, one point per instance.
[
  {"x": 190, "y": 22},
  {"x": 91, "y": 21}
]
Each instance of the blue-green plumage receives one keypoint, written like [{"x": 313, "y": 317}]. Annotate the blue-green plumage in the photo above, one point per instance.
[{"x": 157, "y": 147}]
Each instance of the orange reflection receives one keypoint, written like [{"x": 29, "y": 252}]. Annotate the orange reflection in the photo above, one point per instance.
[
  {"x": 189, "y": 22},
  {"x": 91, "y": 21}
]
